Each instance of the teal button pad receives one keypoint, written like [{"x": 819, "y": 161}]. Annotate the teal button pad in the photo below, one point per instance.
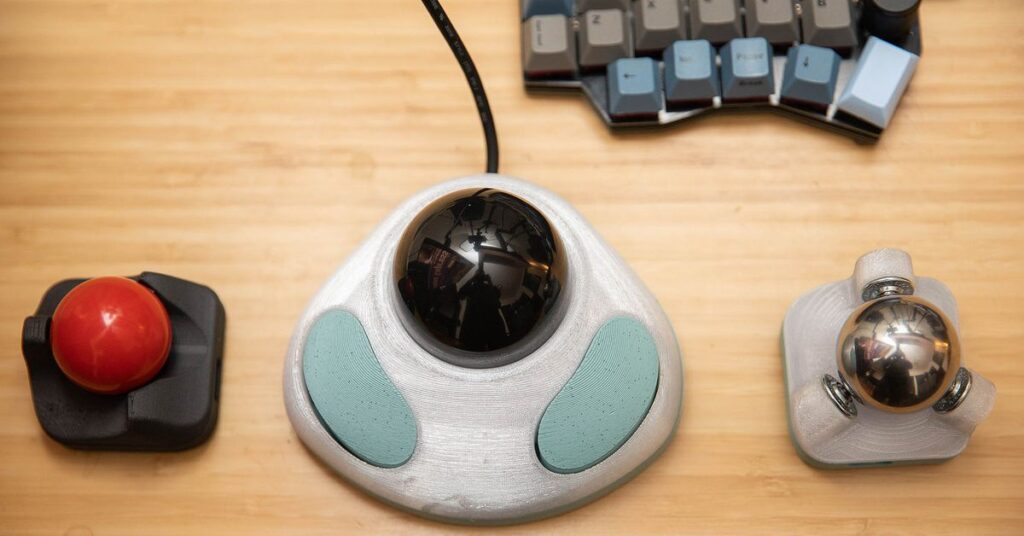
[
  {"x": 352, "y": 394},
  {"x": 634, "y": 87},
  {"x": 604, "y": 401},
  {"x": 810, "y": 77}
]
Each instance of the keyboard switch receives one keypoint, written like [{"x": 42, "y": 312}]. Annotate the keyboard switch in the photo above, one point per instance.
[
  {"x": 691, "y": 75},
  {"x": 634, "y": 88},
  {"x": 604, "y": 38},
  {"x": 773, "y": 20},
  {"x": 548, "y": 46},
  {"x": 657, "y": 24},
  {"x": 829, "y": 23},
  {"x": 717, "y": 21},
  {"x": 809, "y": 80},
  {"x": 881, "y": 77},
  {"x": 747, "y": 70}
]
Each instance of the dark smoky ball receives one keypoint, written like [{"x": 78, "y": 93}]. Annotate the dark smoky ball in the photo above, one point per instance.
[{"x": 480, "y": 271}]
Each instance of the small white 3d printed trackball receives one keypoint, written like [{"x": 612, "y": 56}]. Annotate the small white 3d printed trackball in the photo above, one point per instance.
[
  {"x": 484, "y": 357},
  {"x": 873, "y": 369}
]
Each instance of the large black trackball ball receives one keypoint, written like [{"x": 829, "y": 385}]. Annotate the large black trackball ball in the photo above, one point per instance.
[{"x": 481, "y": 274}]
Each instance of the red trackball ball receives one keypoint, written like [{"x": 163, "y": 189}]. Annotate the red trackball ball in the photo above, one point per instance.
[{"x": 110, "y": 335}]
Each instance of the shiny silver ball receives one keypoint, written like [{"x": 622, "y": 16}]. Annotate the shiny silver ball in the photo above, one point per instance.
[
  {"x": 481, "y": 275},
  {"x": 899, "y": 353}
]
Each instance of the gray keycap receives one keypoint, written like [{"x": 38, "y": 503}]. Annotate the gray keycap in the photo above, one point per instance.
[
  {"x": 747, "y": 70},
  {"x": 546, "y": 7},
  {"x": 691, "y": 74},
  {"x": 717, "y": 21},
  {"x": 881, "y": 77},
  {"x": 548, "y": 46},
  {"x": 809, "y": 80},
  {"x": 634, "y": 88},
  {"x": 604, "y": 38},
  {"x": 657, "y": 23},
  {"x": 773, "y": 20},
  {"x": 582, "y": 6},
  {"x": 829, "y": 23}
]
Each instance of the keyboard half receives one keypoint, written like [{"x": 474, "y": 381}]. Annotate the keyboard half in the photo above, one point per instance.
[{"x": 839, "y": 64}]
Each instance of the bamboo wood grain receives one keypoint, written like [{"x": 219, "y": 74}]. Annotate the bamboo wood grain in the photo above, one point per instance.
[{"x": 250, "y": 145}]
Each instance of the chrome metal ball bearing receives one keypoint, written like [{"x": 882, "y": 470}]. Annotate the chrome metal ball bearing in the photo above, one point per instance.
[
  {"x": 895, "y": 390},
  {"x": 484, "y": 357},
  {"x": 898, "y": 353}
]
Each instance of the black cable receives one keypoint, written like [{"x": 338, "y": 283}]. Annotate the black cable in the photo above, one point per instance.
[{"x": 444, "y": 24}]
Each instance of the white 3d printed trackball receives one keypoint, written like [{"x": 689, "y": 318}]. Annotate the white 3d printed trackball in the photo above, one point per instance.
[
  {"x": 484, "y": 357},
  {"x": 873, "y": 369}
]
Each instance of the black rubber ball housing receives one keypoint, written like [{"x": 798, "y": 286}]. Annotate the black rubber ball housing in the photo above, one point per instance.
[{"x": 174, "y": 411}]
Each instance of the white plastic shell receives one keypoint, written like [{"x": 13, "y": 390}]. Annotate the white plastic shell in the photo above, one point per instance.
[
  {"x": 822, "y": 434},
  {"x": 475, "y": 459}
]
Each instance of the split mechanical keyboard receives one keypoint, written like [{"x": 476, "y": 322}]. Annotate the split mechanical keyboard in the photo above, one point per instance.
[{"x": 657, "y": 62}]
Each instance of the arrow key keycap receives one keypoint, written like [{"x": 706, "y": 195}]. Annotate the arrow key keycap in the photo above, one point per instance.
[{"x": 634, "y": 88}]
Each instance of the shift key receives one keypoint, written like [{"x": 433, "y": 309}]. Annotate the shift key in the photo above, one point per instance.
[{"x": 878, "y": 82}]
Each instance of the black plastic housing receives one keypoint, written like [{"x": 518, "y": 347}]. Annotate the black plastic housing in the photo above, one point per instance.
[{"x": 175, "y": 411}]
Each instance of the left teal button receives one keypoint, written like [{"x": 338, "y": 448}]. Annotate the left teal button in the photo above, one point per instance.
[{"x": 353, "y": 396}]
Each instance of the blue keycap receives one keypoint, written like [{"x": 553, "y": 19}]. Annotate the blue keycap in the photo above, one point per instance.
[
  {"x": 691, "y": 74},
  {"x": 810, "y": 76},
  {"x": 634, "y": 88},
  {"x": 747, "y": 70},
  {"x": 546, "y": 7},
  {"x": 882, "y": 75}
]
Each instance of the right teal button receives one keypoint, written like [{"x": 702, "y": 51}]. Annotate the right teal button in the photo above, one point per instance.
[{"x": 603, "y": 402}]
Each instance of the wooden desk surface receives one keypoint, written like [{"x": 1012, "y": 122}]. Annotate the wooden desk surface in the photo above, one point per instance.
[{"x": 251, "y": 145}]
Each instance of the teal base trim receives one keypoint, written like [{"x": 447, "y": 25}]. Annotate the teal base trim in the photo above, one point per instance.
[
  {"x": 603, "y": 402},
  {"x": 352, "y": 395}
]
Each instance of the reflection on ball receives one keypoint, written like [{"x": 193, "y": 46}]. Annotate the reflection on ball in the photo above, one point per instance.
[
  {"x": 481, "y": 271},
  {"x": 110, "y": 335},
  {"x": 899, "y": 353}
]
